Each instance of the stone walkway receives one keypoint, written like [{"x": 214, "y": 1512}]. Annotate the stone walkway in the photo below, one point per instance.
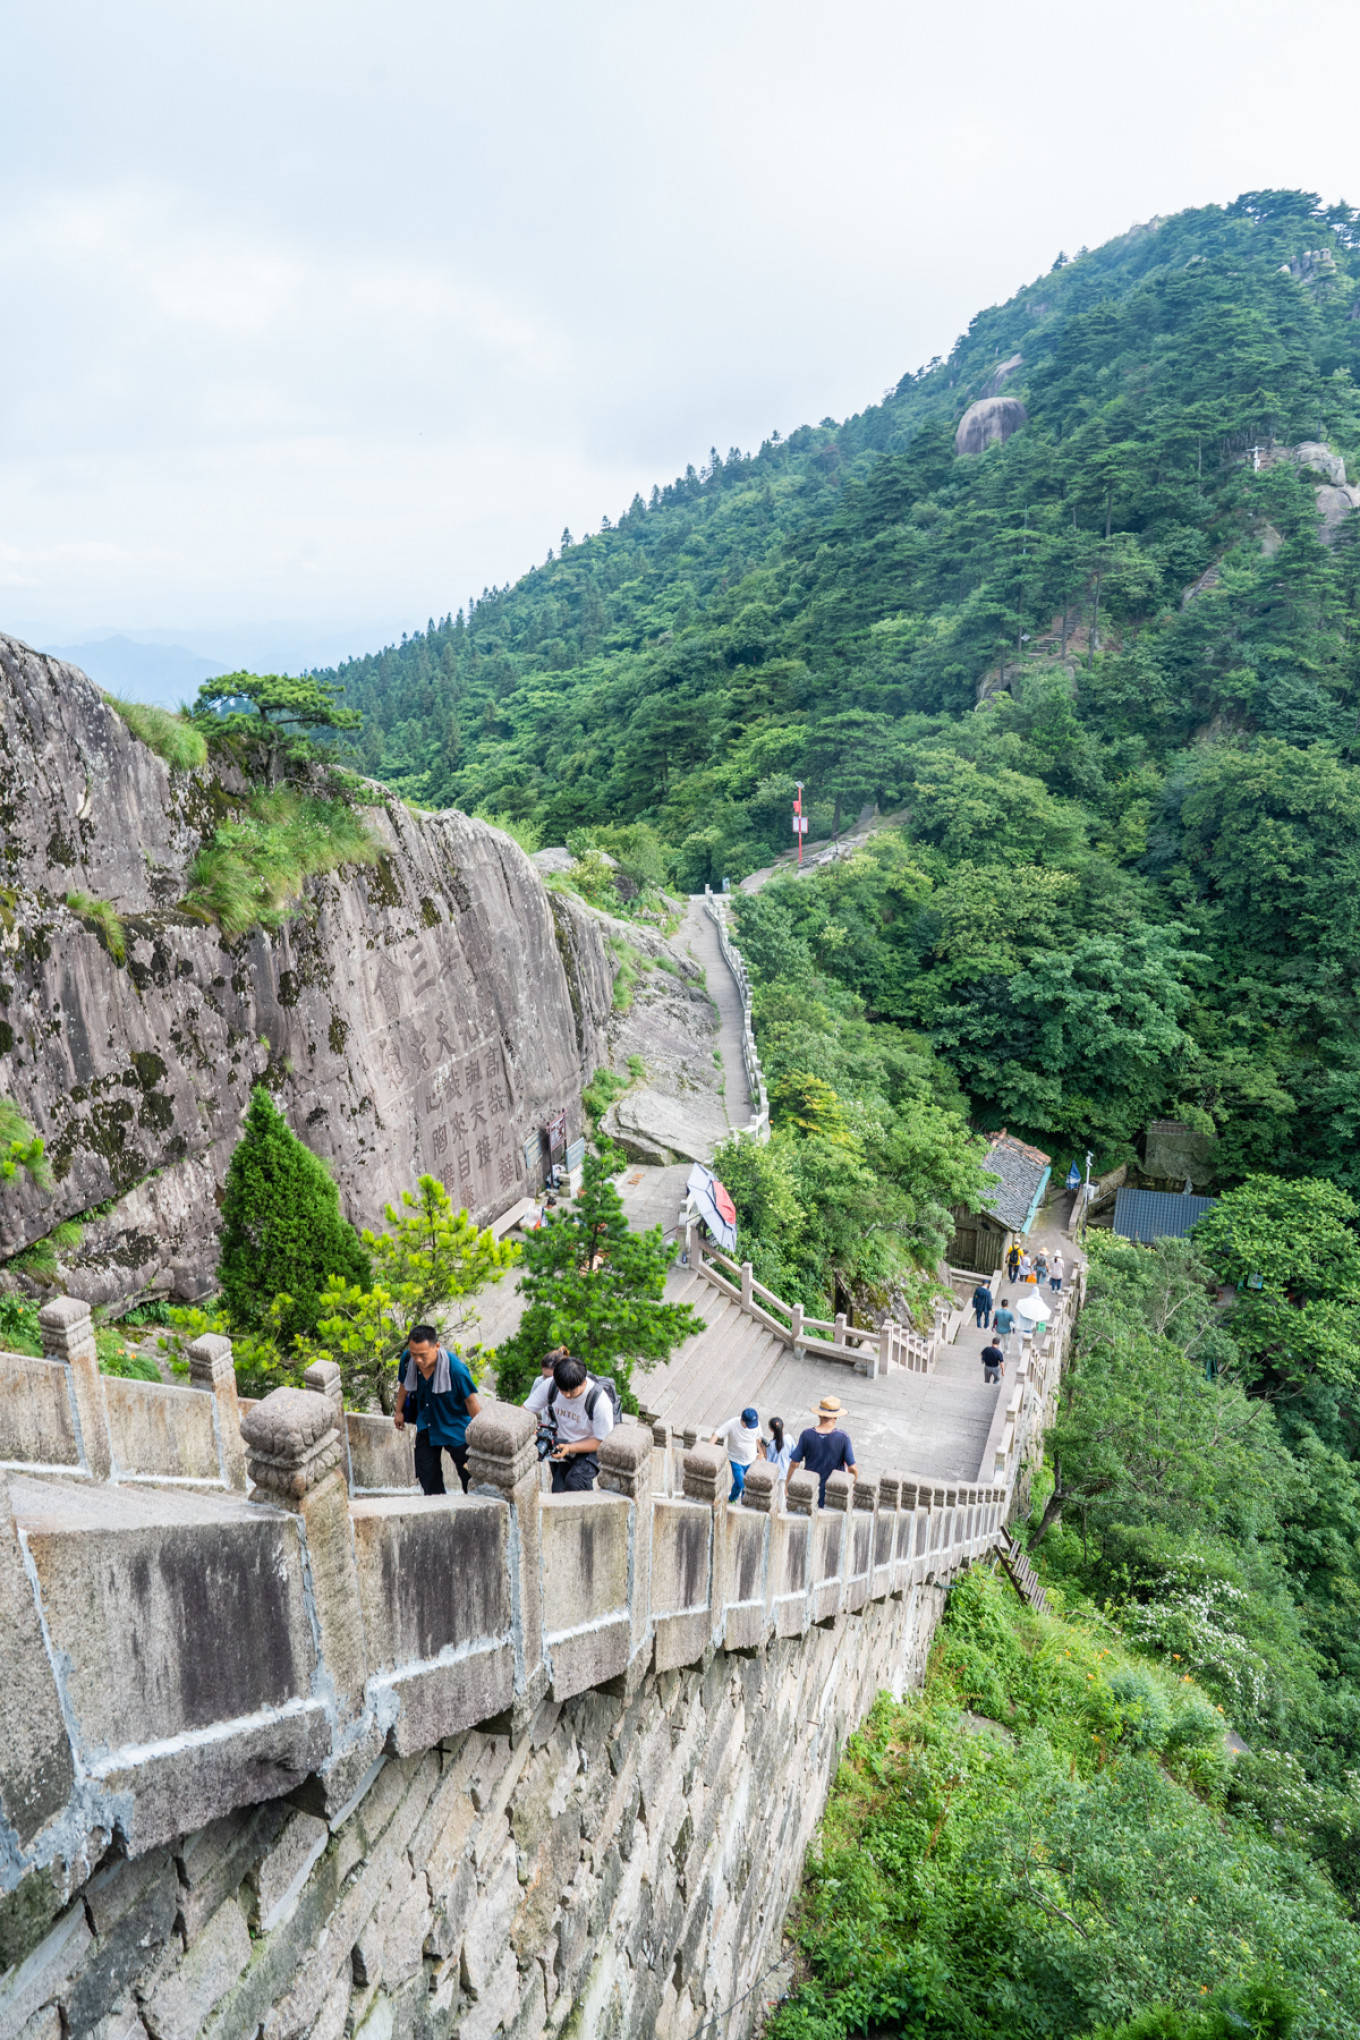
[{"x": 699, "y": 937}]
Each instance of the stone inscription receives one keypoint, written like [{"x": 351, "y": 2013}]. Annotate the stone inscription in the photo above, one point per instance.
[{"x": 465, "y": 1126}]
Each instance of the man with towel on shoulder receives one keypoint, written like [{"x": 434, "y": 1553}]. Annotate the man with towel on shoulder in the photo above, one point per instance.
[{"x": 435, "y": 1380}]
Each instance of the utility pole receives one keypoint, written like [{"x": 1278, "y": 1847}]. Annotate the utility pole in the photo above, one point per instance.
[{"x": 799, "y": 818}]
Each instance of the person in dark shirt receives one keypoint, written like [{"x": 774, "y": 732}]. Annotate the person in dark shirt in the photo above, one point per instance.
[
  {"x": 993, "y": 1363},
  {"x": 982, "y": 1305},
  {"x": 434, "y": 1381},
  {"x": 825, "y": 1450}
]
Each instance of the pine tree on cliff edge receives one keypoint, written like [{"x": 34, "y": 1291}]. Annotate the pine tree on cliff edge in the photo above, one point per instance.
[{"x": 283, "y": 1232}]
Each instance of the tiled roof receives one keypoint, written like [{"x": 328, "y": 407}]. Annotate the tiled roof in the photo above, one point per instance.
[
  {"x": 1022, "y": 1171},
  {"x": 1148, "y": 1215}
]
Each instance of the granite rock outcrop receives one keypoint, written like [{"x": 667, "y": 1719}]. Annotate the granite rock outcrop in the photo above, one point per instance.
[{"x": 428, "y": 1012}]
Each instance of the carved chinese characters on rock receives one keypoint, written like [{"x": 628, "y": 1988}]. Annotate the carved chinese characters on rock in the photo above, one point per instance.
[{"x": 465, "y": 1113}]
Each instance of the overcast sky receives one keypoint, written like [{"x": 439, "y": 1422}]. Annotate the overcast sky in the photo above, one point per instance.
[{"x": 319, "y": 317}]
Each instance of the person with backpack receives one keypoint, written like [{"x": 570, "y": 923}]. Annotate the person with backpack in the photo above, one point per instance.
[
  {"x": 740, "y": 1439},
  {"x": 434, "y": 1381},
  {"x": 582, "y": 1412},
  {"x": 982, "y": 1306},
  {"x": 1013, "y": 1263}
]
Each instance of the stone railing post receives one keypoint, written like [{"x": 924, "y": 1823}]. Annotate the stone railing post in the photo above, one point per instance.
[
  {"x": 502, "y": 1461},
  {"x": 748, "y": 1277},
  {"x": 885, "y": 1536},
  {"x": 211, "y": 1368},
  {"x": 294, "y": 1458},
  {"x": 626, "y": 1469},
  {"x": 68, "y": 1335},
  {"x": 860, "y": 1569},
  {"x": 796, "y": 1325},
  {"x": 706, "y": 1481},
  {"x": 323, "y": 1378},
  {"x": 747, "y": 1591},
  {"x": 791, "y": 1554},
  {"x": 661, "y": 1459},
  {"x": 829, "y": 1592}
]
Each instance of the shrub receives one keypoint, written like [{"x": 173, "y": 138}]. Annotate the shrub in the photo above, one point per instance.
[
  {"x": 102, "y": 916},
  {"x": 38, "y": 1260},
  {"x": 19, "y": 1330},
  {"x": 283, "y": 1233},
  {"x": 431, "y": 1256},
  {"x": 181, "y": 746},
  {"x": 20, "y": 1147},
  {"x": 254, "y": 869}
]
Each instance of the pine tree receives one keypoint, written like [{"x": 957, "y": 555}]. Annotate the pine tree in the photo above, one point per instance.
[
  {"x": 283, "y": 1232},
  {"x": 597, "y": 1287}
]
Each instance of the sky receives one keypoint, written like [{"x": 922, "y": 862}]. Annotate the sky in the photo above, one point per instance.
[{"x": 320, "y": 318}]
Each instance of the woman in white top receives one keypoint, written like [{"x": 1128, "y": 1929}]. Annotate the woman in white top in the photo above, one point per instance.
[{"x": 777, "y": 1452}]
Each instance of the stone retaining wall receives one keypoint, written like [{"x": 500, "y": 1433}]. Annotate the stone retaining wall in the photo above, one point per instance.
[{"x": 305, "y": 1761}]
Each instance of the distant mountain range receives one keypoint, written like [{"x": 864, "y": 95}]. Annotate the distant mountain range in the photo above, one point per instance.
[{"x": 164, "y": 675}]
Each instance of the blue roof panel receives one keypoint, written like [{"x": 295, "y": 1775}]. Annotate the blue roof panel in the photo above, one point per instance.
[{"x": 1148, "y": 1215}]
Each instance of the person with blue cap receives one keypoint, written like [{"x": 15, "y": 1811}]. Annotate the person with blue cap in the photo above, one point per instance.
[{"x": 740, "y": 1440}]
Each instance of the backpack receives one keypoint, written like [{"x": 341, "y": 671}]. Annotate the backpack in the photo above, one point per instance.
[{"x": 600, "y": 1384}]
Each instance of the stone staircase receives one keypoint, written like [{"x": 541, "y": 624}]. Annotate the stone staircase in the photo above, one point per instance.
[
  {"x": 756, "y": 1349},
  {"x": 717, "y": 1372}
]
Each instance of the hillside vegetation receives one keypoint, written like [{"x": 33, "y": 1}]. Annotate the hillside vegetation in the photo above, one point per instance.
[
  {"x": 1105, "y": 676},
  {"x": 1155, "y": 811}
]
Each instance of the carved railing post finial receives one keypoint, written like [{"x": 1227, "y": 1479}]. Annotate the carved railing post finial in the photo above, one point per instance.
[{"x": 291, "y": 1445}]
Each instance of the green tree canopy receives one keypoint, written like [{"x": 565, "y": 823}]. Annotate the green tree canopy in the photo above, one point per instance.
[
  {"x": 279, "y": 703},
  {"x": 283, "y": 1232},
  {"x": 594, "y": 1285},
  {"x": 425, "y": 1266}
]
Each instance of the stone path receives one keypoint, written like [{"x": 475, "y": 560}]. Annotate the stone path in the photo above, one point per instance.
[{"x": 699, "y": 937}]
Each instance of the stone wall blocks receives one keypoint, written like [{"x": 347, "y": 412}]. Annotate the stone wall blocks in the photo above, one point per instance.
[
  {"x": 494, "y": 2004},
  {"x": 139, "y": 1919},
  {"x": 276, "y": 1880},
  {"x": 487, "y": 1933},
  {"x": 47, "y": 1971},
  {"x": 212, "y": 1861},
  {"x": 180, "y": 2006}
]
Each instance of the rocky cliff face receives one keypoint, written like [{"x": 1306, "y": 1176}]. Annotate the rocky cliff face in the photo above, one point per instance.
[{"x": 427, "y": 1013}]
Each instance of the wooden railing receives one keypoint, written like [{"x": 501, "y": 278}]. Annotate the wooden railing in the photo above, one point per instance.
[{"x": 868, "y": 1349}]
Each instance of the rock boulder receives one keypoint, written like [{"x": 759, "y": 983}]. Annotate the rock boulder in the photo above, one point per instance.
[{"x": 991, "y": 419}]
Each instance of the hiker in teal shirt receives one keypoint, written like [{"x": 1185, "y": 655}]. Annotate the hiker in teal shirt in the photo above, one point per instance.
[
  {"x": 1003, "y": 1324},
  {"x": 435, "y": 1379}
]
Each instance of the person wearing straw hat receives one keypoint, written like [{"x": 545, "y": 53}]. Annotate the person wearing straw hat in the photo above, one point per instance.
[{"x": 826, "y": 1449}]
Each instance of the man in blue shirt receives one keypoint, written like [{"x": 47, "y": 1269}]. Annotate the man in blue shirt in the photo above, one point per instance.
[
  {"x": 826, "y": 1450},
  {"x": 435, "y": 1380}
]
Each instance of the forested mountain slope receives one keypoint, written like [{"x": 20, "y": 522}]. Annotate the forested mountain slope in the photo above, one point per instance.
[{"x": 1155, "y": 814}]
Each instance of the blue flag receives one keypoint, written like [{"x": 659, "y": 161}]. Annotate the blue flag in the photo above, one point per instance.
[{"x": 1073, "y": 1177}]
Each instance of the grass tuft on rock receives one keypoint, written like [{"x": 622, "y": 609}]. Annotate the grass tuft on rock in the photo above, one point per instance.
[
  {"x": 254, "y": 870},
  {"x": 102, "y": 916},
  {"x": 172, "y": 738}
]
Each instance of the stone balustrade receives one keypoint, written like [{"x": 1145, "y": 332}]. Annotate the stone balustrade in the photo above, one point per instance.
[
  {"x": 60, "y": 1415},
  {"x": 181, "y": 1648}
]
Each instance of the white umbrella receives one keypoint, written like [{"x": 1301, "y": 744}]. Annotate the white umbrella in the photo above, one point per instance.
[{"x": 1031, "y": 1305}]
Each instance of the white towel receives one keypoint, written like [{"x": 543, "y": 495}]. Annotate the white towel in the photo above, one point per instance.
[{"x": 441, "y": 1382}]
